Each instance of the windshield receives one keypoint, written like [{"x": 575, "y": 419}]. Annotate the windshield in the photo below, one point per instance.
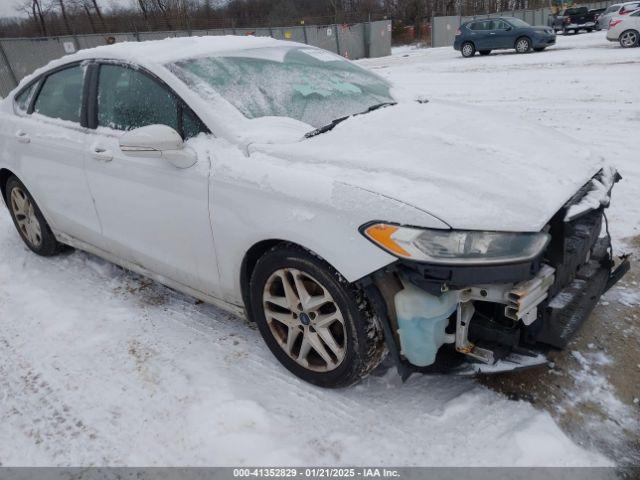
[
  {"x": 516, "y": 22},
  {"x": 307, "y": 84}
]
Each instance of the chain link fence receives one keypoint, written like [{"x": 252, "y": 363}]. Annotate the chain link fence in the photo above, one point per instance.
[
  {"x": 443, "y": 30},
  {"x": 21, "y": 56}
]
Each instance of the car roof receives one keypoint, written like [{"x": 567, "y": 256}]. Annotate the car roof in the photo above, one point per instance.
[
  {"x": 485, "y": 19},
  {"x": 174, "y": 49}
]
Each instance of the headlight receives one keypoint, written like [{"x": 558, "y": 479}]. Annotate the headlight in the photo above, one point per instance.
[{"x": 456, "y": 247}]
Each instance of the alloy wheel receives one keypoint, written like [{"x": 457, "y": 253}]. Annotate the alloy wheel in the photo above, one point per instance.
[
  {"x": 629, "y": 39},
  {"x": 25, "y": 215},
  {"x": 305, "y": 320},
  {"x": 467, "y": 50},
  {"x": 522, "y": 46}
]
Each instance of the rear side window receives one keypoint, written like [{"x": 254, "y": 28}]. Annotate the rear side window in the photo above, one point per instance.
[
  {"x": 61, "y": 95},
  {"x": 478, "y": 26},
  {"x": 629, "y": 8},
  {"x": 23, "y": 100},
  {"x": 129, "y": 99}
]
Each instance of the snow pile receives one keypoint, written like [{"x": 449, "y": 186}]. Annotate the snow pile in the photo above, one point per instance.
[{"x": 101, "y": 367}]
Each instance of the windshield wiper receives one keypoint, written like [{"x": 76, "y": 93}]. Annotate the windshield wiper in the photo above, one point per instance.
[{"x": 335, "y": 122}]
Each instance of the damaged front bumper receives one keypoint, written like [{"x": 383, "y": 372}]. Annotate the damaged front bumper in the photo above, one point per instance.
[{"x": 502, "y": 317}]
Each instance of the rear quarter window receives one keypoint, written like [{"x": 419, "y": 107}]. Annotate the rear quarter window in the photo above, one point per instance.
[{"x": 23, "y": 99}]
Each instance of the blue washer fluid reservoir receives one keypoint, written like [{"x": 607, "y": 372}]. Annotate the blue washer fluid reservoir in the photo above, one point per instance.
[{"x": 422, "y": 320}]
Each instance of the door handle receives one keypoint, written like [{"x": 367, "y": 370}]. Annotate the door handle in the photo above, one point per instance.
[
  {"x": 23, "y": 137},
  {"x": 101, "y": 154}
]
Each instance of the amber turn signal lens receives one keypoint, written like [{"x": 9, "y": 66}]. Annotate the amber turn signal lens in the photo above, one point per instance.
[{"x": 381, "y": 234}]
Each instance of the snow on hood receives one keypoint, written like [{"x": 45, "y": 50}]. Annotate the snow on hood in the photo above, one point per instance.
[{"x": 471, "y": 168}]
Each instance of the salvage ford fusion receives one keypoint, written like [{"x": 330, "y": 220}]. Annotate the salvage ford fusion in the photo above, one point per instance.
[{"x": 285, "y": 181}]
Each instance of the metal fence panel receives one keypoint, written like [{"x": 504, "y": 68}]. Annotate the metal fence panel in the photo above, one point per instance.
[
  {"x": 24, "y": 55},
  {"x": 352, "y": 40},
  {"x": 443, "y": 31},
  {"x": 7, "y": 79},
  {"x": 90, "y": 41},
  {"x": 322, "y": 36},
  {"x": 378, "y": 39}
]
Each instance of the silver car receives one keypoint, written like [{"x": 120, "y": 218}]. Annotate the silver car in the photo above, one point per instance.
[
  {"x": 625, "y": 30},
  {"x": 615, "y": 10}
]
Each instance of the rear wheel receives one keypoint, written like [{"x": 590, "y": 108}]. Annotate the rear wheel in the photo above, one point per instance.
[
  {"x": 589, "y": 30},
  {"x": 523, "y": 45},
  {"x": 315, "y": 323},
  {"x": 485, "y": 52},
  {"x": 468, "y": 49},
  {"x": 629, "y": 38},
  {"x": 29, "y": 221}
]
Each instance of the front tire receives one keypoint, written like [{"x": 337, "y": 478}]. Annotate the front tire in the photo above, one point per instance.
[
  {"x": 468, "y": 50},
  {"x": 29, "y": 221},
  {"x": 523, "y": 45},
  {"x": 629, "y": 39},
  {"x": 315, "y": 323}
]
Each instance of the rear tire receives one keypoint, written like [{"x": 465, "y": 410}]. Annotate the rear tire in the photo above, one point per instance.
[
  {"x": 29, "y": 221},
  {"x": 468, "y": 50},
  {"x": 320, "y": 327},
  {"x": 485, "y": 52},
  {"x": 523, "y": 45},
  {"x": 629, "y": 39}
]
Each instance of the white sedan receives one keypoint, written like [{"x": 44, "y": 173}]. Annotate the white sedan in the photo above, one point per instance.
[
  {"x": 625, "y": 29},
  {"x": 343, "y": 217}
]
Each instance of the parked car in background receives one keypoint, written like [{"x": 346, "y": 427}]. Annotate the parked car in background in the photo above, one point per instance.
[
  {"x": 615, "y": 10},
  {"x": 625, "y": 30},
  {"x": 596, "y": 12},
  {"x": 499, "y": 34},
  {"x": 574, "y": 19}
]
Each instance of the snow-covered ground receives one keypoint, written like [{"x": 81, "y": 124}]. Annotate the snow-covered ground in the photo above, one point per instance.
[{"x": 99, "y": 366}]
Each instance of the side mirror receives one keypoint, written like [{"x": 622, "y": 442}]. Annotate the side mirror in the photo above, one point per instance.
[{"x": 158, "y": 141}]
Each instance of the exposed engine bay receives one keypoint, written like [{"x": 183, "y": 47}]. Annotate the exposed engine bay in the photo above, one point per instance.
[{"x": 495, "y": 318}]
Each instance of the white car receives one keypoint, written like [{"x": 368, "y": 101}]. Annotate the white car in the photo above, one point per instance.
[
  {"x": 286, "y": 182},
  {"x": 625, "y": 30},
  {"x": 618, "y": 9}
]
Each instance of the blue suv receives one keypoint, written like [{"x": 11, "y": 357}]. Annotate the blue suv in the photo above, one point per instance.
[{"x": 501, "y": 33}]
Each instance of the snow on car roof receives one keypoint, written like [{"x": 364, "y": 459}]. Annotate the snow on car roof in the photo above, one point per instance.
[
  {"x": 164, "y": 51},
  {"x": 171, "y": 49}
]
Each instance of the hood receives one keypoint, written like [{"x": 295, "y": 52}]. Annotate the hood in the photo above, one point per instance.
[{"x": 469, "y": 167}]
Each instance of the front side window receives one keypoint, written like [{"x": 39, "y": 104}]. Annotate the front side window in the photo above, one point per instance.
[
  {"x": 129, "y": 99},
  {"x": 61, "y": 95},
  {"x": 516, "y": 22},
  {"x": 307, "y": 84},
  {"x": 23, "y": 100}
]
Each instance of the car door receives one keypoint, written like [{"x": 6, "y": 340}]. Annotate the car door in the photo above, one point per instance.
[
  {"x": 50, "y": 138},
  {"x": 504, "y": 35},
  {"x": 153, "y": 214},
  {"x": 483, "y": 39}
]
